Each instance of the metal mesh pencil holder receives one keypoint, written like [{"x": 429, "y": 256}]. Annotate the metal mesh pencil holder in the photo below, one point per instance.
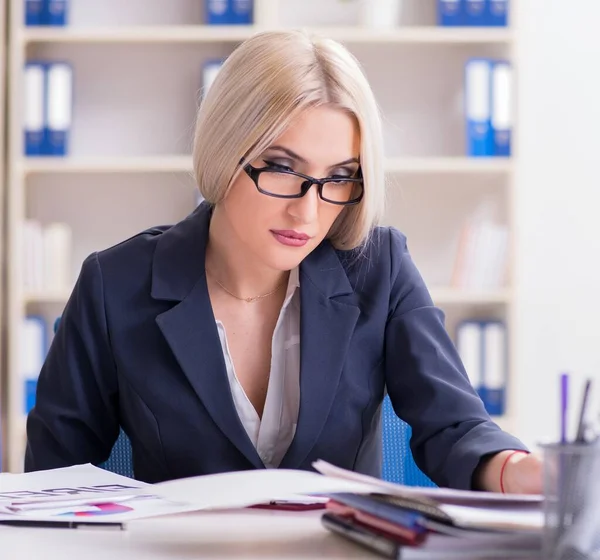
[{"x": 571, "y": 501}]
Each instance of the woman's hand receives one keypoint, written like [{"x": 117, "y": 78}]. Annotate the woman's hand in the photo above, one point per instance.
[
  {"x": 512, "y": 473},
  {"x": 523, "y": 474}
]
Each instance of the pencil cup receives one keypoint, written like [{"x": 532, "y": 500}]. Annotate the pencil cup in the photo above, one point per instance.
[{"x": 571, "y": 501}]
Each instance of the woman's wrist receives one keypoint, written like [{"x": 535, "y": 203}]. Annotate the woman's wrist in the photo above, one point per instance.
[
  {"x": 511, "y": 458},
  {"x": 492, "y": 474}
]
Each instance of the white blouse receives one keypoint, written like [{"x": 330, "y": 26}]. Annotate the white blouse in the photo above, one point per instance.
[{"x": 273, "y": 435}]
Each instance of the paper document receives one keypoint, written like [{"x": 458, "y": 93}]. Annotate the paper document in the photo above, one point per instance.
[
  {"x": 82, "y": 493},
  {"x": 500, "y": 547},
  {"x": 80, "y": 483},
  {"x": 440, "y": 495},
  {"x": 497, "y": 518},
  {"x": 246, "y": 488}
]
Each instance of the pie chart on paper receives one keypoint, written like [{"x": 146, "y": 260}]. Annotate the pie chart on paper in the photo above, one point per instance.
[{"x": 102, "y": 509}]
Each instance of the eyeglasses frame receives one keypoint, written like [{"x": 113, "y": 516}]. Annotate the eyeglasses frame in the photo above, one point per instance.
[{"x": 255, "y": 172}]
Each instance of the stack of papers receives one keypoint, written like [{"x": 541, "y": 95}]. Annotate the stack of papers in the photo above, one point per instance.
[
  {"x": 409, "y": 522},
  {"x": 467, "y": 509},
  {"x": 90, "y": 494}
]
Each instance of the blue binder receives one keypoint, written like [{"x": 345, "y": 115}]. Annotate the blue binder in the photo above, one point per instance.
[
  {"x": 218, "y": 12},
  {"x": 495, "y": 370},
  {"x": 497, "y": 13},
  {"x": 56, "y": 12},
  {"x": 469, "y": 344},
  {"x": 242, "y": 11},
  {"x": 34, "y": 12},
  {"x": 34, "y": 108},
  {"x": 33, "y": 354},
  {"x": 476, "y": 13},
  {"x": 483, "y": 349},
  {"x": 450, "y": 13},
  {"x": 59, "y": 107},
  {"x": 478, "y": 100},
  {"x": 229, "y": 12},
  {"x": 502, "y": 85}
]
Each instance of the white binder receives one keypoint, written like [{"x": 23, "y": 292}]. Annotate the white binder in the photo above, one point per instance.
[{"x": 59, "y": 107}]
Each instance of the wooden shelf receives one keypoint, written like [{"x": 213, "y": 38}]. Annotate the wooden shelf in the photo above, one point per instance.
[
  {"x": 236, "y": 33},
  {"x": 116, "y": 164},
  {"x": 447, "y": 296},
  {"x": 420, "y": 35},
  {"x": 183, "y": 164},
  {"x": 447, "y": 165},
  {"x": 139, "y": 34},
  {"x": 59, "y": 296}
]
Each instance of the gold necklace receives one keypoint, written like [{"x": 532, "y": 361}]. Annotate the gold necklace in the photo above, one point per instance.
[{"x": 246, "y": 299}]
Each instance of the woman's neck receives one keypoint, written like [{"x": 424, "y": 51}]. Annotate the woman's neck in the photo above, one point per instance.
[{"x": 231, "y": 265}]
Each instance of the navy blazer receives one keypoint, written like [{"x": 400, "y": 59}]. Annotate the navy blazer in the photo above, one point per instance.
[{"x": 138, "y": 348}]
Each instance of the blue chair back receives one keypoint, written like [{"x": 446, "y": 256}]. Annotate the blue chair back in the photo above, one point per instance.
[
  {"x": 120, "y": 460},
  {"x": 398, "y": 463}
]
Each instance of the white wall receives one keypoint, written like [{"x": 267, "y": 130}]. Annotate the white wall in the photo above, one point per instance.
[{"x": 558, "y": 203}]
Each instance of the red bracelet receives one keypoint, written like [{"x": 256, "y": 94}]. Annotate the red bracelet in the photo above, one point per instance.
[{"x": 510, "y": 455}]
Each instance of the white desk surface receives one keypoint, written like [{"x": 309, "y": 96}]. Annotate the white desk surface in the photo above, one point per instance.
[{"x": 234, "y": 534}]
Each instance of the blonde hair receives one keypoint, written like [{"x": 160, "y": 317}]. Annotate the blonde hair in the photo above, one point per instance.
[{"x": 262, "y": 86}]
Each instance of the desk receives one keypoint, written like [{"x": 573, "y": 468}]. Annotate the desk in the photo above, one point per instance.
[
  {"x": 234, "y": 534},
  {"x": 247, "y": 534}
]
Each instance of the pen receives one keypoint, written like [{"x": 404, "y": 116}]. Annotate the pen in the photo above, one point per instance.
[
  {"x": 60, "y": 524},
  {"x": 564, "y": 404},
  {"x": 290, "y": 506},
  {"x": 580, "y": 438},
  {"x": 564, "y": 473}
]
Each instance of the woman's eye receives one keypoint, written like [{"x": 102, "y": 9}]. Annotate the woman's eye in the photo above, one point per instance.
[
  {"x": 343, "y": 173},
  {"x": 278, "y": 165}
]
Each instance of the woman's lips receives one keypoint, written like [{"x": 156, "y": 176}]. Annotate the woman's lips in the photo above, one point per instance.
[{"x": 290, "y": 238}]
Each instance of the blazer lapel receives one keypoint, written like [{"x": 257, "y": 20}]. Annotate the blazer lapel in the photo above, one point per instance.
[
  {"x": 189, "y": 326},
  {"x": 327, "y": 320}
]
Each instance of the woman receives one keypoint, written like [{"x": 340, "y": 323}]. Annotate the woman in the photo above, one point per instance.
[{"x": 264, "y": 329}]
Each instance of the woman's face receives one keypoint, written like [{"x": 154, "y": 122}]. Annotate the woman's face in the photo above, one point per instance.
[{"x": 322, "y": 142}]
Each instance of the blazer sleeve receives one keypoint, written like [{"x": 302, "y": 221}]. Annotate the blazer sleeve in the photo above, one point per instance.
[
  {"x": 427, "y": 383},
  {"x": 75, "y": 418}
]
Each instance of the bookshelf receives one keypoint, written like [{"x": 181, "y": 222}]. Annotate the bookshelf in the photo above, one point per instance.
[
  {"x": 232, "y": 34},
  {"x": 130, "y": 168}
]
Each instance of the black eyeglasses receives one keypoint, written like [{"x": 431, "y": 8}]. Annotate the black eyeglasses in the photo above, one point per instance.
[{"x": 284, "y": 183}]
